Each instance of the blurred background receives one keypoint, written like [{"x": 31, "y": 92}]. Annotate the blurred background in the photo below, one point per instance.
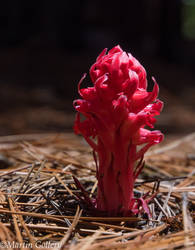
[{"x": 46, "y": 46}]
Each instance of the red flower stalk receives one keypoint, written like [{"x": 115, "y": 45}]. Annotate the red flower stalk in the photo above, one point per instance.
[{"x": 117, "y": 108}]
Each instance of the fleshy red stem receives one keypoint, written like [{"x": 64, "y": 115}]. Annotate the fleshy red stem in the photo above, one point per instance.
[{"x": 115, "y": 180}]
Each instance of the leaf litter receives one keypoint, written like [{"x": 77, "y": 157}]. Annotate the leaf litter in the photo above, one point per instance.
[{"x": 39, "y": 201}]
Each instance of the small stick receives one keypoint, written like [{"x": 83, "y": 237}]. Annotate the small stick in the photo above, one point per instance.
[
  {"x": 161, "y": 208},
  {"x": 35, "y": 176},
  {"x": 70, "y": 230},
  {"x": 64, "y": 185},
  {"x": 23, "y": 203},
  {"x": 24, "y": 137},
  {"x": 19, "y": 194},
  {"x": 93, "y": 188},
  {"x": 59, "y": 217},
  {"x": 38, "y": 171},
  {"x": 55, "y": 207},
  {"x": 16, "y": 226},
  {"x": 41, "y": 227},
  {"x": 31, "y": 238},
  {"x": 55, "y": 218},
  {"x": 18, "y": 169},
  {"x": 26, "y": 178},
  {"x": 40, "y": 185},
  {"x": 187, "y": 220},
  {"x": 100, "y": 224}
]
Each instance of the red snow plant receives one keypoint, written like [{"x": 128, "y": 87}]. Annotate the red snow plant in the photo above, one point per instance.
[{"x": 116, "y": 109}]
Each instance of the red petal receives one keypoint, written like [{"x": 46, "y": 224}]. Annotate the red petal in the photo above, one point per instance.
[
  {"x": 154, "y": 108},
  {"x": 81, "y": 106},
  {"x": 130, "y": 85},
  {"x": 79, "y": 84},
  {"x": 104, "y": 91},
  {"x": 101, "y": 54},
  {"x": 142, "y": 98},
  {"x": 145, "y": 136},
  {"x": 88, "y": 94},
  {"x": 115, "y": 50},
  {"x": 139, "y": 69},
  {"x": 120, "y": 112}
]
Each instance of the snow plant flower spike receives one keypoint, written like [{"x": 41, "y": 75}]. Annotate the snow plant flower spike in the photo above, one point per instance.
[{"x": 116, "y": 109}]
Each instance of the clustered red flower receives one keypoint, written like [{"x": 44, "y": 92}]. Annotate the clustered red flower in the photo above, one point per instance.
[{"x": 116, "y": 109}]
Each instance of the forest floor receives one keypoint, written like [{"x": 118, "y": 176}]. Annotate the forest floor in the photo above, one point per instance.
[{"x": 39, "y": 205}]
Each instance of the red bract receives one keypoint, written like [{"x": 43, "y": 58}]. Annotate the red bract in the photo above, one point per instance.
[{"x": 116, "y": 110}]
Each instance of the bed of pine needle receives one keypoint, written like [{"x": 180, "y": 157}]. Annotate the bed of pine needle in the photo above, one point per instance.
[{"x": 39, "y": 200}]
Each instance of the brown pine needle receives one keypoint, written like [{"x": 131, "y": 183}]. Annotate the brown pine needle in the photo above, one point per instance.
[
  {"x": 40, "y": 178},
  {"x": 67, "y": 236},
  {"x": 15, "y": 217}
]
